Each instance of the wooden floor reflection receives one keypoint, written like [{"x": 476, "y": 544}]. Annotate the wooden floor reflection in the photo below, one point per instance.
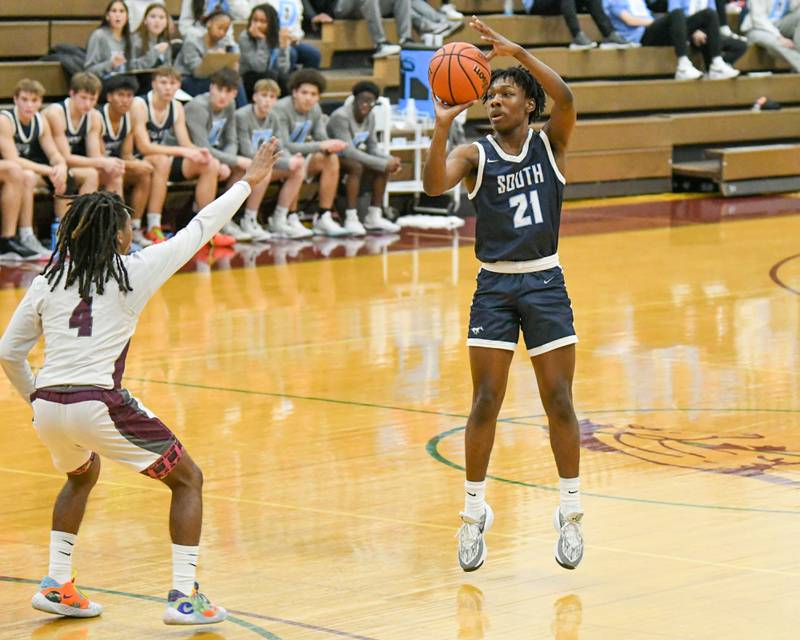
[{"x": 326, "y": 401}]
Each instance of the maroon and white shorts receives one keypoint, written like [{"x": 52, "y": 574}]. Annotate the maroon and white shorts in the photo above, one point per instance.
[{"x": 74, "y": 422}]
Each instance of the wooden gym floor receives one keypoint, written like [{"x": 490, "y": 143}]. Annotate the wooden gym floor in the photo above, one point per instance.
[{"x": 325, "y": 401}]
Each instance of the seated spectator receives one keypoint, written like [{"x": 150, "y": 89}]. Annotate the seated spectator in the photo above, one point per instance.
[
  {"x": 775, "y": 25},
  {"x": 194, "y": 11},
  {"x": 137, "y": 10},
  {"x": 354, "y": 123},
  {"x": 160, "y": 135},
  {"x": 118, "y": 143},
  {"x": 301, "y": 129},
  {"x": 12, "y": 178},
  {"x": 372, "y": 11},
  {"x": 150, "y": 44},
  {"x": 195, "y": 47},
  {"x": 264, "y": 48},
  {"x": 77, "y": 131},
  {"x": 731, "y": 49},
  {"x": 26, "y": 139},
  {"x": 290, "y": 17},
  {"x": 318, "y": 12},
  {"x": 256, "y": 124},
  {"x": 569, "y": 9},
  {"x": 426, "y": 19},
  {"x": 109, "y": 48},
  {"x": 211, "y": 121},
  {"x": 634, "y": 20}
]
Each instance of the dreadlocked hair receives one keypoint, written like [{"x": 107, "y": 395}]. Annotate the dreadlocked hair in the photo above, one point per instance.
[
  {"x": 524, "y": 79},
  {"x": 86, "y": 247}
]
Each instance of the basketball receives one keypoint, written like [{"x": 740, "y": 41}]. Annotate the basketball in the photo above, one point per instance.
[{"x": 459, "y": 73}]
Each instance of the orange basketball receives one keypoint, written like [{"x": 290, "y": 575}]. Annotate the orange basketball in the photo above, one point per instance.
[{"x": 459, "y": 73}]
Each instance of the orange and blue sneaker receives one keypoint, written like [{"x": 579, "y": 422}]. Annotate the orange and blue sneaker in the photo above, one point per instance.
[
  {"x": 223, "y": 240},
  {"x": 64, "y": 600},
  {"x": 192, "y": 609},
  {"x": 155, "y": 235}
]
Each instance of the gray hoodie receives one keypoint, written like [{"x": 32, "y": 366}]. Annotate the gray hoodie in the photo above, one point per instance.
[
  {"x": 363, "y": 145},
  {"x": 299, "y": 132},
  {"x": 214, "y": 131}
]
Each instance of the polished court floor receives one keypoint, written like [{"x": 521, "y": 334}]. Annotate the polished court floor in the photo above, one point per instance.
[{"x": 326, "y": 400}]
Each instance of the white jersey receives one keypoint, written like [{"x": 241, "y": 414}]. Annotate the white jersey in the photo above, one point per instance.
[{"x": 85, "y": 344}]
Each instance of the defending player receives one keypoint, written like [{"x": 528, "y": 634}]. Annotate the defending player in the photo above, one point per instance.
[
  {"x": 86, "y": 304},
  {"x": 516, "y": 178}
]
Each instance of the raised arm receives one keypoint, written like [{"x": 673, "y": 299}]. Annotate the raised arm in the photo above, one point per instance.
[
  {"x": 442, "y": 172},
  {"x": 151, "y": 267},
  {"x": 562, "y": 114}
]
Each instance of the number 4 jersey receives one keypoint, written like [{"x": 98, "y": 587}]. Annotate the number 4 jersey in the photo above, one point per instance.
[{"x": 517, "y": 200}]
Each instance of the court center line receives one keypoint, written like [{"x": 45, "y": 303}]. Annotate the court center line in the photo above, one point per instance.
[{"x": 427, "y": 525}]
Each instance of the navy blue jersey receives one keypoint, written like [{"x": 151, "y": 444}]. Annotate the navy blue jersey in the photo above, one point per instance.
[
  {"x": 26, "y": 139},
  {"x": 517, "y": 200},
  {"x": 76, "y": 136},
  {"x": 163, "y": 132},
  {"x": 113, "y": 141}
]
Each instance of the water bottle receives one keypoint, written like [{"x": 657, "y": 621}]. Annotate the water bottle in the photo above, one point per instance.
[
  {"x": 508, "y": 7},
  {"x": 54, "y": 234}
]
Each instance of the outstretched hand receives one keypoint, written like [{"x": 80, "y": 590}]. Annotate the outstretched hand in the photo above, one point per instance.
[
  {"x": 262, "y": 163},
  {"x": 501, "y": 46}
]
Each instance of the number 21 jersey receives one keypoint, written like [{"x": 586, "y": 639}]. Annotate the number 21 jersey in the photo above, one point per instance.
[{"x": 517, "y": 201}]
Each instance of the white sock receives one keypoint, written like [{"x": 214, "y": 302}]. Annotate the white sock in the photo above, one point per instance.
[
  {"x": 136, "y": 223},
  {"x": 684, "y": 62},
  {"x": 153, "y": 220},
  {"x": 281, "y": 213},
  {"x": 184, "y": 567},
  {"x": 717, "y": 61},
  {"x": 474, "y": 499},
  {"x": 570, "y": 489},
  {"x": 251, "y": 214},
  {"x": 374, "y": 212},
  {"x": 25, "y": 232},
  {"x": 61, "y": 547},
  {"x": 350, "y": 214}
]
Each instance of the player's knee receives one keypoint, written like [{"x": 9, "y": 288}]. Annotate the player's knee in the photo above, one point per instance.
[
  {"x": 332, "y": 161},
  {"x": 86, "y": 477},
  {"x": 355, "y": 170},
  {"x": 213, "y": 166},
  {"x": 558, "y": 403},
  {"x": 29, "y": 179},
  {"x": 486, "y": 403}
]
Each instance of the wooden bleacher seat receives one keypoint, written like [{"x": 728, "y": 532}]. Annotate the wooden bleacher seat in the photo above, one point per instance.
[
  {"x": 60, "y": 8},
  {"x": 713, "y": 127},
  {"x": 748, "y": 170},
  {"x": 50, "y": 74}
]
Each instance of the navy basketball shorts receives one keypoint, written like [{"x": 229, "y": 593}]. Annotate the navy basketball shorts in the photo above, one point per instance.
[{"x": 536, "y": 302}]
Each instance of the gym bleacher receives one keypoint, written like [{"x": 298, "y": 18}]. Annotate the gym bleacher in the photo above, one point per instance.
[{"x": 639, "y": 130}]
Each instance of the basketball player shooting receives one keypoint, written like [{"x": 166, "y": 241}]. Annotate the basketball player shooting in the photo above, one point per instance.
[
  {"x": 516, "y": 179},
  {"x": 86, "y": 303}
]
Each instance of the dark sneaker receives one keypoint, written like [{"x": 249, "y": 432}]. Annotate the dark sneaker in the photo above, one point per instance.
[
  {"x": 581, "y": 42},
  {"x": 13, "y": 250}
]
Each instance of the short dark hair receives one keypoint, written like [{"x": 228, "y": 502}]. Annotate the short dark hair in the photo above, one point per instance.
[
  {"x": 524, "y": 79},
  {"x": 225, "y": 78},
  {"x": 307, "y": 76},
  {"x": 117, "y": 83},
  {"x": 366, "y": 85},
  {"x": 216, "y": 13}
]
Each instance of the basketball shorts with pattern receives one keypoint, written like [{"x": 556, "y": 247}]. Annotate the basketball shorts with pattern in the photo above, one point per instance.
[
  {"x": 536, "y": 302},
  {"x": 74, "y": 422}
]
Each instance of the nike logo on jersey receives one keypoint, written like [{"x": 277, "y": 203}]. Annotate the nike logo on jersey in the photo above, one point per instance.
[
  {"x": 525, "y": 177},
  {"x": 490, "y": 161},
  {"x": 476, "y": 330}
]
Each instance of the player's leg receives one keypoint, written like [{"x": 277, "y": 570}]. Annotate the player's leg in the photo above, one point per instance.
[
  {"x": 30, "y": 181},
  {"x": 52, "y": 420},
  {"x": 138, "y": 177},
  {"x": 374, "y": 221},
  {"x": 110, "y": 182},
  {"x": 354, "y": 171},
  {"x": 326, "y": 166},
  {"x": 162, "y": 165},
  {"x": 547, "y": 323},
  {"x": 86, "y": 179},
  {"x": 205, "y": 191},
  {"x": 284, "y": 224},
  {"x": 492, "y": 338},
  {"x": 12, "y": 179}
]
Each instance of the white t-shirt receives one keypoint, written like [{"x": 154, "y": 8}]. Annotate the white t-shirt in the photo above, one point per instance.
[{"x": 86, "y": 344}]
